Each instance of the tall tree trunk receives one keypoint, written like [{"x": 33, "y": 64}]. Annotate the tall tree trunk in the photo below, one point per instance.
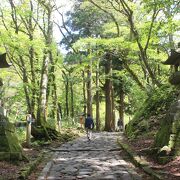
[
  {"x": 66, "y": 83},
  {"x": 84, "y": 93},
  {"x": 33, "y": 81},
  {"x": 53, "y": 90},
  {"x": 121, "y": 105},
  {"x": 67, "y": 98},
  {"x": 72, "y": 100},
  {"x": 48, "y": 34},
  {"x": 25, "y": 84},
  {"x": 113, "y": 108},
  {"x": 108, "y": 94},
  {"x": 97, "y": 98},
  {"x": 55, "y": 100},
  {"x": 42, "y": 109},
  {"x": 89, "y": 89},
  {"x": 59, "y": 116}
]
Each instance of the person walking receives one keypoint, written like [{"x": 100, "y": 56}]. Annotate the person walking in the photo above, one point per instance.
[
  {"x": 120, "y": 124},
  {"x": 89, "y": 125},
  {"x": 81, "y": 121}
]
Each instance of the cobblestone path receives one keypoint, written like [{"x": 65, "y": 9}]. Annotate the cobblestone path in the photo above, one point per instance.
[{"x": 98, "y": 159}]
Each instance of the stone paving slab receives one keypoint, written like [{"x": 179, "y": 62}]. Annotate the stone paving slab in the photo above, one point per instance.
[{"x": 101, "y": 162}]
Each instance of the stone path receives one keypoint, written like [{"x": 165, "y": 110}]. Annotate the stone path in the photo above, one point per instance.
[{"x": 98, "y": 159}]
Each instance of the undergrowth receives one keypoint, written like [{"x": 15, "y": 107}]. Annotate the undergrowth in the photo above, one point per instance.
[{"x": 151, "y": 112}]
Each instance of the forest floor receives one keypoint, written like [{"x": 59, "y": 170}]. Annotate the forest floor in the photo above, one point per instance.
[
  {"x": 169, "y": 171},
  {"x": 14, "y": 170}
]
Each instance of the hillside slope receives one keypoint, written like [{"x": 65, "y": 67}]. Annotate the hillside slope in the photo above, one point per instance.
[{"x": 158, "y": 118}]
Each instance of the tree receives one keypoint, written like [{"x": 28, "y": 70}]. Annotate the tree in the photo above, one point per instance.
[
  {"x": 29, "y": 32},
  {"x": 129, "y": 10},
  {"x": 97, "y": 96},
  {"x": 109, "y": 117}
]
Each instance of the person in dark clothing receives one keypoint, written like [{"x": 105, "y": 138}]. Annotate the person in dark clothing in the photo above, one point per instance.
[
  {"x": 120, "y": 124},
  {"x": 89, "y": 125}
]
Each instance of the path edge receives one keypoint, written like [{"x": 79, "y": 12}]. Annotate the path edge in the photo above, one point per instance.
[
  {"x": 27, "y": 170},
  {"x": 139, "y": 161},
  {"x": 47, "y": 168}
]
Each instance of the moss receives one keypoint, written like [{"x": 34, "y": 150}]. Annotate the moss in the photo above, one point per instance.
[
  {"x": 168, "y": 135},
  {"x": 10, "y": 148},
  {"x": 155, "y": 106},
  {"x": 177, "y": 143},
  {"x": 160, "y": 114},
  {"x": 5, "y": 156},
  {"x": 163, "y": 135},
  {"x": 26, "y": 171},
  {"x": 130, "y": 128},
  {"x": 143, "y": 126}
]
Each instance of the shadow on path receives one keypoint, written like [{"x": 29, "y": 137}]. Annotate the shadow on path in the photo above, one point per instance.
[{"x": 97, "y": 160}]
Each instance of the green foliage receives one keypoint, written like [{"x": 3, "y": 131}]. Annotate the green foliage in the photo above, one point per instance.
[
  {"x": 21, "y": 133},
  {"x": 69, "y": 134},
  {"x": 155, "y": 105},
  {"x": 12, "y": 95},
  {"x": 94, "y": 32},
  {"x": 157, "y": 102},
  {"x": 38, "y": 143},
  {"x": 68, "y": 122},
  {"x": 95, "y": 43},
  {"x": 135, "y": 98},
  {"x": 85, "y": 19}
]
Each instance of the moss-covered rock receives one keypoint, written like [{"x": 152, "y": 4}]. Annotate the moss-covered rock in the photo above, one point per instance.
[
  {"x": 10, "y": 148},
  {"x": 177, "y": 144},
  {"x": 163, "y": 135},
  {"x": 168, "y": 135},
  {"x": 44, "y": 132}
]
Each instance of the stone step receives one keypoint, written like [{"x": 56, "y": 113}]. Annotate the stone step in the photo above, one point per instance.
[{"x": 84, "y": 149}]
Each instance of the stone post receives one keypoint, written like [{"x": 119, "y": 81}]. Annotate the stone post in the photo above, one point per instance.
[{"x": 28, "y": 130}]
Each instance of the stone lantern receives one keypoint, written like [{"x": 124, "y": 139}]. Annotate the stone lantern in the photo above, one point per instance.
[
  {"x": 3, "y": 64},
  {"x": 10, "y": 149},
  {"x": 168, "y": 137},
  {"x": 174, "y": 60}
]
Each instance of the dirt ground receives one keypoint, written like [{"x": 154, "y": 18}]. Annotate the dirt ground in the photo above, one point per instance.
[
  {"x": 12, "y": 170},
  {"x": 169, "y": 171}
]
